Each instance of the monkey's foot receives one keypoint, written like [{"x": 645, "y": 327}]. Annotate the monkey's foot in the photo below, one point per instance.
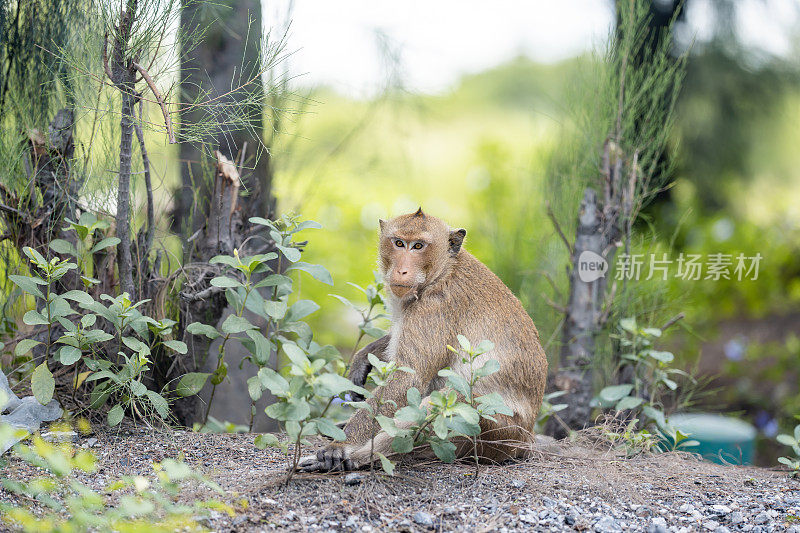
[{"x": 330, "y": 459}]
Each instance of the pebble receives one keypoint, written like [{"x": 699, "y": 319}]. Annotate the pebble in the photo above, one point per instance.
[
  {"x": 658, "y": 525},
  {"x": 424, "y": 519},
  {"x": 761, "y": 518},
  {"x": 737, "y": 518},
  {"x": 607, "y": 524},
  {"x": 353, "y": 478}
]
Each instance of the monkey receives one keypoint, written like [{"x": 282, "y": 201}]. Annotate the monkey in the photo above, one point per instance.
[{"x": 438, "y": 290}]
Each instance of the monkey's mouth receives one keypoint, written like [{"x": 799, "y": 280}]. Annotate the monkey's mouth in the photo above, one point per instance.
[{"x": 401, "y": 290}]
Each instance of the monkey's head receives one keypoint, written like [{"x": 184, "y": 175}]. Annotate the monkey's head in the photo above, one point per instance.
[{"x": 414, "y": 250}]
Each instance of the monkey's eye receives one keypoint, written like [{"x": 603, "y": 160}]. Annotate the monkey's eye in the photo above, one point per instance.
[
  {"x": 399, "y": 243},
  {"x": 417, "y": 246}
]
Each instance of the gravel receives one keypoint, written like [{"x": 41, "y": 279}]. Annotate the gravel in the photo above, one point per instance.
[{"x": 562, "y": 488}]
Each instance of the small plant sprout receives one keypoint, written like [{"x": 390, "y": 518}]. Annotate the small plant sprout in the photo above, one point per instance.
[
  {"x": 652, "y": 379},
  {"x": 792, "y": 441}
]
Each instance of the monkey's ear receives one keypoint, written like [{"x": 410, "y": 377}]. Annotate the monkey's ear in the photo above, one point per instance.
[
  {"x": 456, "y": 239},
  {"x": 381, "y": 223},
  {"x": 419, "y": 213}
]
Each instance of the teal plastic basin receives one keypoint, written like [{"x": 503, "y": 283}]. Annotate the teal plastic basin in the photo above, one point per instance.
[{"x": 722, "y": 439}]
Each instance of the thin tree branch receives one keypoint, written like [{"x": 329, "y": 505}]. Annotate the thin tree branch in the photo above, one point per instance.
[
  {"x": 148, "y": 240},
  {"x": 669, "y": 323},
  {"x": 105, "y": 59},
  {"x": 157, "y": 94},
  {"x": 559, "y": 230}
]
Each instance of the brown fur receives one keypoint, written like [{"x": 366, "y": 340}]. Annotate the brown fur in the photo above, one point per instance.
[{"x": 435, "y": 294}]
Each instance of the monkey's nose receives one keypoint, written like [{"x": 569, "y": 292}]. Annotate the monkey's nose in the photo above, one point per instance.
[{"x": 402, "y": 272}]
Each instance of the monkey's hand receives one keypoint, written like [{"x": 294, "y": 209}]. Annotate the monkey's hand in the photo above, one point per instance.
[
  {"x": 333, "y": 458},
  {"x": 359, "y": 371}
]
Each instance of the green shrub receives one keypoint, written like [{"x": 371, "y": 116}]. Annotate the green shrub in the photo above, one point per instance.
[
  {"x": 129, "y": 503},
  {"x": 794, "y": 441}
]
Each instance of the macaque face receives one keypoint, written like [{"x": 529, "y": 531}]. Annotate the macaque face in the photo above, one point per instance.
[{"x": 413, "y": 249}]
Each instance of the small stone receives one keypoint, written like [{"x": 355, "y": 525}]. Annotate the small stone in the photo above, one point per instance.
[
  {"x": 607, "y": 524},
  {"x": 570, "y": 519},
  {"x": 721, "y": 509},
  {"x": 517, "y": 483},
  {"x": 549, "y": 502},
  {"x": 658, "y": 525},
  {"x": 353, "y": 478},
  {"x": 686, "y": 508},
  {"x": 450, "y": 510},
  {"x": 737, "y": 518},
  {"x": 241, "y": 519},
  {"x": 424, "y": 519},
  {"x": 761, "y": 518},
  {"x": 352, "y": 521},
  {"x": 711, "y": 525},
  {"x": 291, "y": 515}
]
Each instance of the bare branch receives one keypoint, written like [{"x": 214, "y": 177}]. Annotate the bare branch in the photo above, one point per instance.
[
  {"x": 105, "y": 58},
  {"x": 559, "y": 230},
  {"x": 157, "y": 94},
  {"x": 673, "y": 320}
]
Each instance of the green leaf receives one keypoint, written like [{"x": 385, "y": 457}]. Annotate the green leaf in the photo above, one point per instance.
[
  {"x": 254, "y": 388},
  {"x": 34, "y": 318},
  {"x": 273, "y": 381},
  {"x": 292, "y": 254},
  {"x": 177, "y": 346},
  {"x": 275, "y": 309},
  {"x": 24, "y": 346},
  {"x": 653, "y": 332},
  {"x": 628, "y": 324},
  {"x": 440, "y": 427},
  {"x": 274, "y": 280},
  {"x": 236, "y": 324},
  {"x": 318, "y": 272},
  {"x": 786, "y": 440},
  {"x": 331, "y": 384},
  {"x": 34, "y": 255},
  {"x": 292, "y": 410},
  {"x": 403, "y": 443},
  {"x": 387, "y": 424},
  {"x": 219, "y": 374},
  {"x": 266, "y": 440},
  {"x": 329, "y": 429},
  {"x": 27, "y": 284},
  {"x": 42, "y": 384},
  {"x": 489, "y": 367},
  {"x": 60, "y": 246},
  {"x": 159, "y": 403},
  {"x": 295, "y": 354},
  {"x": 414, "y": 397},
  {"x": 196, "y": 328},
  {"x": 664, "y": 357},
  {"x": 103, "y": 244},
  {"x": 191, "y": 383},
  {"x": 225, "y": 282},
  {"x": 386, "y": 464},
  {"x": 615, "y": 392},
  {"x": 69, "y": 355},
  {"x": 456, "y": 381},
  {"x": 628, "y": 402},
  {"x": 444, "y": 450},
  {"x": 375, "y": 333},
  {"x": 797, "y": 432},
  {"x": 301, "y": 309},
  {"x": 669, "y": 383},
  {"x": 115, "y": 415},
  {"x": 81, "y": 297},
  {"x": 464, "y": 343}
]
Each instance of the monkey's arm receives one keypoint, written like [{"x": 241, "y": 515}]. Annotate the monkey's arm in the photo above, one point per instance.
[{"x": 360, "y": 366}]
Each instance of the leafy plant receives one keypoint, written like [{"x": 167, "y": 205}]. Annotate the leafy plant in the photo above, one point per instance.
[
  {"x": 83, "y": 344},
  {"x": 311, "y": 381},
  {"x": 374, "y": 300},
  {"x": 651, "y": 374},
  {"x": 245, "y": 281},
  {"x": 451, "y": 413},
  {"x": 380, "y": 376},
  {"x": 794, "y": 442},
  {"x": 129, "y": 503},
  {"x": 549, "y": 409},
  {"x": 85, "y": 229}
]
